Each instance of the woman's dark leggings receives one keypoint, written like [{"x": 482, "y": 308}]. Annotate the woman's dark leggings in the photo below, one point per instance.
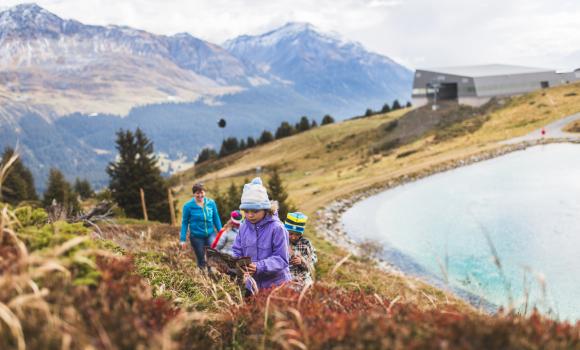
[{"x": 198, "y": 244}]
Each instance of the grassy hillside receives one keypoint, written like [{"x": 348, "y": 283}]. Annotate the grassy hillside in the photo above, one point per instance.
[
  {"x": 338, "y": 160},
  {"x": 125, "y": 284}
]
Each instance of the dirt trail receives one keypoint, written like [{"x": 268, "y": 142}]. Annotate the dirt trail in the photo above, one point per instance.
[{"x": 552, "y": 131}]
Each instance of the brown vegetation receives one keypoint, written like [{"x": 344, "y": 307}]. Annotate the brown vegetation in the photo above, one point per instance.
[{"x": 573, "y": 127}]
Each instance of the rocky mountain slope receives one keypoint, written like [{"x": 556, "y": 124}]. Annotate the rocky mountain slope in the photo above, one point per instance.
[
  {"x": 61, "y": 76},
  {"x": 324, "y": 65}
]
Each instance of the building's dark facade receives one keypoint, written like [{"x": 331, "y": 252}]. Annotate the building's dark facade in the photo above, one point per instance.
[{"x": 475, "y": 85}]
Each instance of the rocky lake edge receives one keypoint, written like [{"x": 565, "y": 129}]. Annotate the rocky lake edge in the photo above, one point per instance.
[{"x": 329, "y": 219}]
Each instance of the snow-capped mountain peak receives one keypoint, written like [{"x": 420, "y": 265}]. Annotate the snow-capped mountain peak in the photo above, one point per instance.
[
  {"x": 29, "y": 16},
  {"x": 316, "y": 61},
  {"x": 31, "y": 36},
  {"x": 56, "y": 73},
  {"x": 289, "y": 31}
]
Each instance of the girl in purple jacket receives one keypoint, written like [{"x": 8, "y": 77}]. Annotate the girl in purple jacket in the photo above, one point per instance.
[{"x": 263, "y": 238}]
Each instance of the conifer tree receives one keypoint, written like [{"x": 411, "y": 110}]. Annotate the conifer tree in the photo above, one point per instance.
[
  {"x": 234, "y": 195},
  {"x": 136, "y": 168},
  {"x": 277, "y": 192},
  {"x": 314, "y": 124},
  {"x": 303, "y": 124},
  {"x": 284, "y": 130},
  {"x": 327, "y": 119},
  {"x": 229, "y": 146},
  {"x": 386, "y": 108},
  {"x": 221, "y": 202},
  {"x": 265, "y": 137},
  {"x": 83, "y": 188},
  {"x": 59, "y": 190},
  {"x": 408, "y": 105},
  {"x": 18, "y": 185},
  {"x": 250, "y": 142},
  {"x": 396, "y": 105},
  {"x": 205, "y": 155},
  {"x": 242, "y": 145},
  {"x": 369, "y": 112}
]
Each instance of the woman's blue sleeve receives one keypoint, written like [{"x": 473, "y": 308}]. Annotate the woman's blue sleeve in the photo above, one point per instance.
[
  {"x": 184, "y": 223},
  {"x": 217, "y": 222}
]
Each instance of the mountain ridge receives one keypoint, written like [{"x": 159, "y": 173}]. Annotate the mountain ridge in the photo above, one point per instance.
[
  {"x": 312, "y": 60},
  {"x": 57, "y": 69}
]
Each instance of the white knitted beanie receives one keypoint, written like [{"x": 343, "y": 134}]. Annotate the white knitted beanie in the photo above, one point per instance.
[{"x": 254, "y": 196}]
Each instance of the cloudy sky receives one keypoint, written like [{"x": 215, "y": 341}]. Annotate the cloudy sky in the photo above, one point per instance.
[{"x": 417, "y": 33}]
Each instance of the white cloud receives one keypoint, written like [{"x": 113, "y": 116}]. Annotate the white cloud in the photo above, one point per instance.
[
  {"x": 420, "y": 33},
  {"x": 383, "y": 3}
]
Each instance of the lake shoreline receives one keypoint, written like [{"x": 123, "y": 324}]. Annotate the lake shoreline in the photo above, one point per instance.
[{"x": 329, "y": 219}]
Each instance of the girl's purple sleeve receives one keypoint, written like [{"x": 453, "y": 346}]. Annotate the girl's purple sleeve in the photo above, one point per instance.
[
  {"x": 237, "y": 247},
  {"x": 278, "y": 261}
]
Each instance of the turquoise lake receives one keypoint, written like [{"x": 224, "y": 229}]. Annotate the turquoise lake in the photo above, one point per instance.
[{"x": 524, "y": 205}]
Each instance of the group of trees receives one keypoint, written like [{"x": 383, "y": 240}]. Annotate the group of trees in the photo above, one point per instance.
[
  {"x": 386, "y": 108},
  {"x": 18, "y": 186},
  {"x": 232, "y": 145},
  {"x": 135, "y": 170},
  {"x": 59, "y": 190}
]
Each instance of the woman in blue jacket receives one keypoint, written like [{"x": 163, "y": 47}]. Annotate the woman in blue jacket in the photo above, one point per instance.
[{"x": 201, "y": 217}]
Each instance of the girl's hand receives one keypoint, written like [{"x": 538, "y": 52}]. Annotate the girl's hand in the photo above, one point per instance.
[
  {"x": 183, "y": 245},
  {"x": 296, "y": 260},
  {"x": 251, "y": 268}
]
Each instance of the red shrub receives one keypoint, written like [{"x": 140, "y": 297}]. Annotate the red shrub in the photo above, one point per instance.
[
  {"x": 121, "y": 309},
  {"x": 338, "y": 319}
]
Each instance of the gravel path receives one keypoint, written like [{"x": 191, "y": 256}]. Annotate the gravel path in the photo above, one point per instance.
[{"x": 553, "y": 131}]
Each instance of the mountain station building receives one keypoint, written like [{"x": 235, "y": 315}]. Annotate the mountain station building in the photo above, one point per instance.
[{"x": 475, "y": 85}]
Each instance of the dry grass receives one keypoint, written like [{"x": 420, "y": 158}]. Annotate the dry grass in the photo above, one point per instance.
[
  {"x": 42, "y": 308},
  {"x": 20, "y": 294},
  {"x": 331, "y": 162},
  {"x": 178, "y": 306},
  {"x": 329, "y": 318},
  {"x": 573, "y": 127}
]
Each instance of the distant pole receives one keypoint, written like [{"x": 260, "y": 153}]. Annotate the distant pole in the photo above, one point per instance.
[
  {"x": 435, "y": 92},
  {"x": 171, "y": 207},
  {"x": 143, "y": 205}
]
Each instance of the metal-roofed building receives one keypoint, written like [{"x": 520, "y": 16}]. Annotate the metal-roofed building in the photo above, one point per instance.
[{"x": 475, "y": 85}]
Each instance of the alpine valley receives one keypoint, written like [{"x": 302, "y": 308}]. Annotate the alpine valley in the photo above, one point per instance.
[{"x": 66, "y": 88}]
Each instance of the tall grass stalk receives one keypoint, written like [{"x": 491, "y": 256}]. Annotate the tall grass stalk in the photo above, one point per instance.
[
  {"x": 339, "y": 264},
  {"x": 498, "y": 265},
  {"x": 5, "y": 170}
]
